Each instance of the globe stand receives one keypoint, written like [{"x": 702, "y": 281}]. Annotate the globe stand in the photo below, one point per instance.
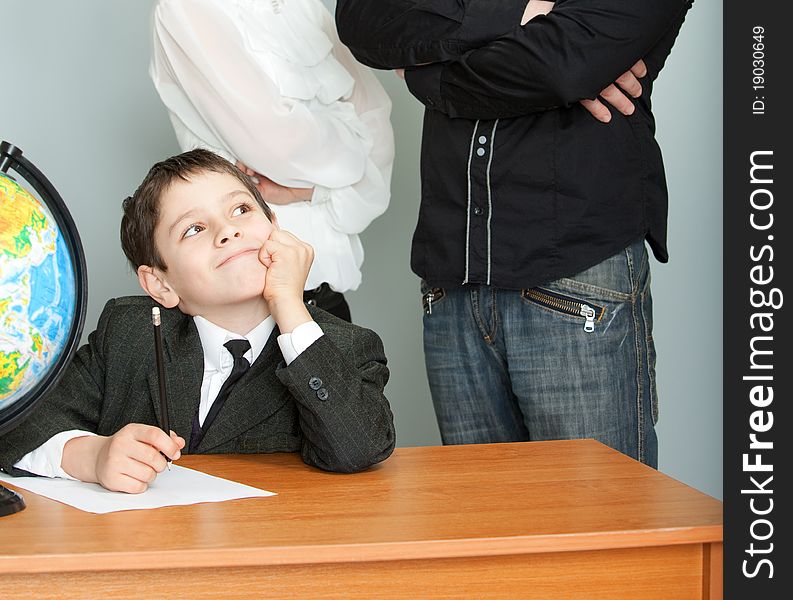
[
  {"x": 10, "y": 502},
  {"x": 11, "y": 158}
]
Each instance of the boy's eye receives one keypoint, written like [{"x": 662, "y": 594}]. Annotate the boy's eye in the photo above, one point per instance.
[
  {"x": 192, "y": 230},
  {"x": 241, "y": 209}
]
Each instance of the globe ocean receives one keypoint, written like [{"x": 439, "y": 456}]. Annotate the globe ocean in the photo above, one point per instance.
[{"x": 37, "y": 291}]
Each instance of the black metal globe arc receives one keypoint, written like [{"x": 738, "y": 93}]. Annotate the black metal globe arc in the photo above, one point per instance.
[{"x": 11, "y": 159}]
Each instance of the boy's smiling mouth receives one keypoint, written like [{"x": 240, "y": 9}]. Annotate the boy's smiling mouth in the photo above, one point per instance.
[{"x": 236, "y": 255}]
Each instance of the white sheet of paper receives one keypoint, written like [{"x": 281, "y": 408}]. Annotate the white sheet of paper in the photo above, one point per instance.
[{"x": 176, "y": 487}]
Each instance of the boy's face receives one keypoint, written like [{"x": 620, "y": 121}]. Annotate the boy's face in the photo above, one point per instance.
[{"x": 209, "y": 234}]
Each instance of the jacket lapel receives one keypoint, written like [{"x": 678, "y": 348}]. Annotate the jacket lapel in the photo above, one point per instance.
[
  {"x": 255, "y": 397},
  {"x": 184, "y": 371}
]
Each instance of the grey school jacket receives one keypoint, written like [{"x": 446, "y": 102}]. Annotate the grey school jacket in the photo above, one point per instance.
[{"x": 328, "y": 404}]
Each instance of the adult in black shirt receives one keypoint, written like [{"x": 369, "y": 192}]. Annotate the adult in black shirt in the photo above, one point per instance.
[{"x": 530, "y": 240}]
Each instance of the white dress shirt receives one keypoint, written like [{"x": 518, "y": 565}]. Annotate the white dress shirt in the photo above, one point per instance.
[
  {"x": 269, "y": 83},
  {"x": 218, "y": 362}
]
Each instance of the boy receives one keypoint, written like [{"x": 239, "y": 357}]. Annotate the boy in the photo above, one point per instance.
[{"x": 206, "y": 248}]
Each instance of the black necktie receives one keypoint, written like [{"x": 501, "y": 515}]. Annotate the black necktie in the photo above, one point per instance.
[{"x": 237, "y": 348}]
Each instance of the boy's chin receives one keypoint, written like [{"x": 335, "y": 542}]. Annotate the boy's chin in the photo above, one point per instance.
[
  {"x": 247, "y": 282},
  {"x": 245, "y": 298},
  {"x": 229, "y": 304}
]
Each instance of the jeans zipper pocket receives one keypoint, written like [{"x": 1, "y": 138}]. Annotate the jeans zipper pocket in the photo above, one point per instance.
[
  {"x": 566, "y": 305},
  {"x": 431, "y": 296}
]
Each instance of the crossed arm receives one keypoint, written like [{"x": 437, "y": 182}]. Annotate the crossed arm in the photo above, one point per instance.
[
  {"x": 221, "y": 98},
  {"x": 614, "y": 94},
  {"x": 573, "y": 53}
]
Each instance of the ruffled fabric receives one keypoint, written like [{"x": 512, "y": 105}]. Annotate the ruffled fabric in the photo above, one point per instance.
[
  {"x": 268, "y": 83},
  {"x": 286, "y": 37}
]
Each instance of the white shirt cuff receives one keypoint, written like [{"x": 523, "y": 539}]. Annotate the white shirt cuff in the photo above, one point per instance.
[
  {"x": 320, "y": 195},
  {"x": 295, "y": 343},
  {"x": 46, "y": 459}
]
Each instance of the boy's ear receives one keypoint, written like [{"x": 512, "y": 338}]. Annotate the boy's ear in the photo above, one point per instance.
[{"x": 153, "y": 282}]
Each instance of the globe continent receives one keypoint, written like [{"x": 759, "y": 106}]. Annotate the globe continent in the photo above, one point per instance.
[{"x": 37, "y": 292}]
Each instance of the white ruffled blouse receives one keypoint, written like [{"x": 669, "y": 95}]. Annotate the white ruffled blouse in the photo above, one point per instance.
[{"x": 268, "y": 83}]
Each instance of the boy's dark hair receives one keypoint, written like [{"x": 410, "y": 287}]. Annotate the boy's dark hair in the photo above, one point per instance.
[{"x": 142, "y": 209}]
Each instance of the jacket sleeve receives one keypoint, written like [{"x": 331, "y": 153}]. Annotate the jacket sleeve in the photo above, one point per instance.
[
  {"x": 390, "y": 34},
  {"x": 553, "y": 61},
  {"x": 345, "y": 419},
  {"x": 74, "y": 403}
]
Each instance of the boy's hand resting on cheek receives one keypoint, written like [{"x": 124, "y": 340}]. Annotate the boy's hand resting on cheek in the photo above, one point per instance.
[
  {"x": 288, "y": 261},
  {"x": 127, "y": 461}
]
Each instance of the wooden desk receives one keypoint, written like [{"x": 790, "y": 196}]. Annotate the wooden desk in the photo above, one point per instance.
[{"x": 542, "y": 520}]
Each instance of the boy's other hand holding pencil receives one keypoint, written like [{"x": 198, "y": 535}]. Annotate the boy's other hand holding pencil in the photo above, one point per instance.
[{"x": 127, "y": 461}]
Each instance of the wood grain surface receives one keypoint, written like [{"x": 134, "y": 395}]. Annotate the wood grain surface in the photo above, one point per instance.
[{"x": 432, "y": 518}]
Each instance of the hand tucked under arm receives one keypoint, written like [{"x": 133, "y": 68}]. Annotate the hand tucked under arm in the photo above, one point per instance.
[
  {"x": 554, "y": 61},
  {"x": 613, "y": 94},
  {"x": 210, "y": 80},
  {"x": 274, "y": 193},
  {"x": 128, "y": 461}
]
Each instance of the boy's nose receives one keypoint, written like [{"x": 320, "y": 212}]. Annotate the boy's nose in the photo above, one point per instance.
[{"x": 225, "y": 236}]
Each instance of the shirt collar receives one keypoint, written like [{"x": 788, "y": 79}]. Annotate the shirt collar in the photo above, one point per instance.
[{"x": 213, "y": 337}]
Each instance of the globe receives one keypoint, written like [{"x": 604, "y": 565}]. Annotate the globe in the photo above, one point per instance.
[
  {"x": 42, "y": 292},
  {"x": 37, "y": 291}
]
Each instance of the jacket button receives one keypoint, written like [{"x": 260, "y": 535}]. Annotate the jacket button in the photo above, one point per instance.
[
  {"x": 478, "y": 211},
  {"x": 315, "y": 383},
  {"x": 322, "y": 394}
]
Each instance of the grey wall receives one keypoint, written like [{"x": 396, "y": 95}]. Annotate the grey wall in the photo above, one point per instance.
[
  {"x": 77, "y": 99},
  {"x": 688, "y": 290}
]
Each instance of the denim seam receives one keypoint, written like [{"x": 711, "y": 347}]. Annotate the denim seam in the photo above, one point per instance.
[
  {"x": 500, "y": 357},
  {"x": 631, "y": 272},
  {"x": 637, "y": 333},
  {"x": 495, "y": 314},
  {"x": 592, "y": 290},
  {"x": 474, "y": 295},
  {"x": 648, "y": 341},
  {"x": 476, "y": 310},
  {"x": 652, "y": 397}
]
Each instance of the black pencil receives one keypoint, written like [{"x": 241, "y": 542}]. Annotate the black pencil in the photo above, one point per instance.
[{"x": 155, "y": 319}]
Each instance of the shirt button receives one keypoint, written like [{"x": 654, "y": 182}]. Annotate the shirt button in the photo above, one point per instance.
[
  {"x": 482, "y": 139},
  {"x": 322, "y": 394},
  {"x": 478, "y": 211},
  {"x": 480, "y": 151},
  {"x": 315, "y": 383}
]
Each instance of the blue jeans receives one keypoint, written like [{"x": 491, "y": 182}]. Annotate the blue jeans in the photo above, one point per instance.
[{"x": 570, "y": 359}]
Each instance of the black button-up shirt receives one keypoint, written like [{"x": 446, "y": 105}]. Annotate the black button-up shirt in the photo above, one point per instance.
[{"x": 520, "y": 184}]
